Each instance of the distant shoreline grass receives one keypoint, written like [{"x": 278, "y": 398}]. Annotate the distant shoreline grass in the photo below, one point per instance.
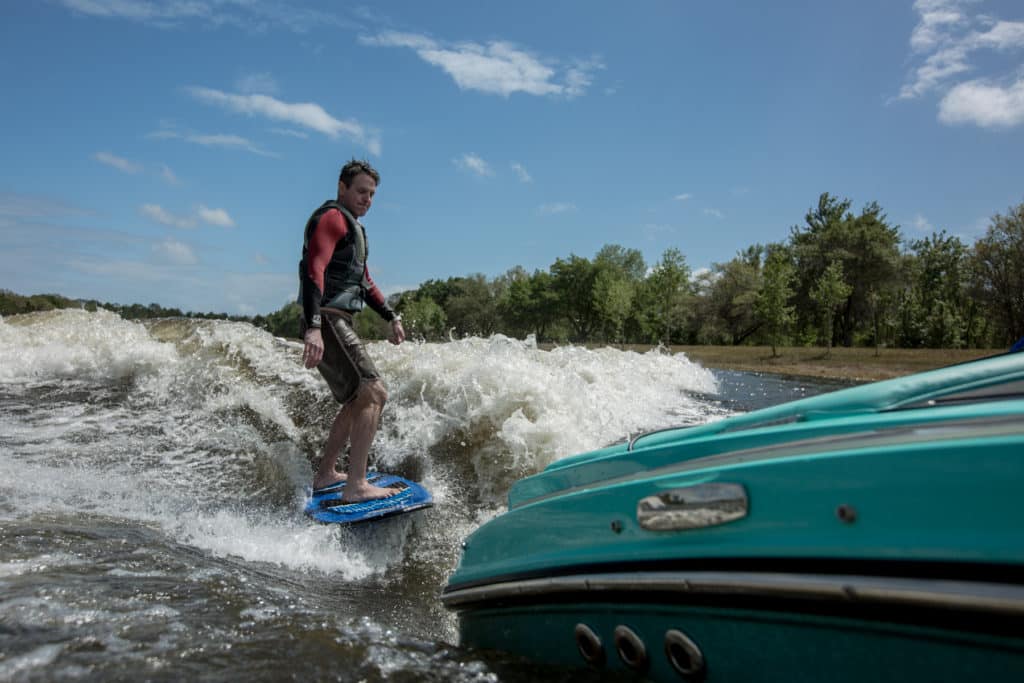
[{"x": 856, "y": 364}]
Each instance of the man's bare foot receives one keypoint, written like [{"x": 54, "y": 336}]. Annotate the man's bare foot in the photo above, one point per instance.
[
  {"x": 358, "y": 493},
  {"x": 319, "y": 483}
]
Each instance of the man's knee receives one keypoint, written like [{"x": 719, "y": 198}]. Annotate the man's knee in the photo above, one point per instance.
[{"x": 375, "y": 393}]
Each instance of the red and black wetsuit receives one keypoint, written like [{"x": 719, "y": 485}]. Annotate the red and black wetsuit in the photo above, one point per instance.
[{"x": 333, "y": 271}]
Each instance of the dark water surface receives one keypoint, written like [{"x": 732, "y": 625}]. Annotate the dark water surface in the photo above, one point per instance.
[{"x": 152, "y": 478}]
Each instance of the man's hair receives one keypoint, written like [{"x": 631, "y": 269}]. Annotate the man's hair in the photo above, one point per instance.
[{"x": 353, "y": 168}]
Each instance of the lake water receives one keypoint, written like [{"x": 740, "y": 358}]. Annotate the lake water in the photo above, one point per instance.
[{"x": 152, "y": 477}]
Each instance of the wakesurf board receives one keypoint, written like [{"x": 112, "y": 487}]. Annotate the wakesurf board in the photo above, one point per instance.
[{"x": 326, "y": 504}]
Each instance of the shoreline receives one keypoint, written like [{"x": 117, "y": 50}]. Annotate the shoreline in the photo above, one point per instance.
[
  {"x": 850, "y": 364},
  {"x": 853, "y": 364}
]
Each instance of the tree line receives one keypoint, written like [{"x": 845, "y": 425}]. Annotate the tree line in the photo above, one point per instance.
[
  {"x": 12, "y": 303},
  {"x": 841, "y": 278}
]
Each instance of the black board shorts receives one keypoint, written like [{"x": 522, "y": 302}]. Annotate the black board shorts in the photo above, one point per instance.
[{"x": 345, "y": 364}]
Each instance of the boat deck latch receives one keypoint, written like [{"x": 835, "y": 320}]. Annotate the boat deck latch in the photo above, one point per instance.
[{"x": 693, "y": 507}]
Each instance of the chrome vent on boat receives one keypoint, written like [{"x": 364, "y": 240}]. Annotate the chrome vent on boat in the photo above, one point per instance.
[
  {"x": 631, "y": 648},
  {"x": 589, "y": 645},
  {"x": 684, "y": 656},
  {"x": 693, "y": 507}
]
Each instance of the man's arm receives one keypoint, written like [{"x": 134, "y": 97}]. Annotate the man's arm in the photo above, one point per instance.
[
  {"x": 375, "y": 298},
  {"x": 329, "y": 230}
]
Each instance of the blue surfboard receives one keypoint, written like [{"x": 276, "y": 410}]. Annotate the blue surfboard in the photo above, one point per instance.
[{"x": 326, "y": 504}]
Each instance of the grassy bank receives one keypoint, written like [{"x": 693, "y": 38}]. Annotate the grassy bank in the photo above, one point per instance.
[{"x": 858, "y": 364}]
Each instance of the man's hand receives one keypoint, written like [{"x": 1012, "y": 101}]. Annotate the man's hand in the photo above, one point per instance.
[
  {"x": 397, "y": 335},
  {"x": 314, "y": 351}
]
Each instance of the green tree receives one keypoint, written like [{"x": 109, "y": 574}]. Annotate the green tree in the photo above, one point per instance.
[
  {"x": 731, "y": 293},
  {"x": 613, "y": 300},
  {"x": 619, "y": 272},
  {"x": 285, "y": 322},
  {"x": 940, "y": 275},
  {"x": 630, "y": 262},
  {"x": 529, "y": 304},
  {"x": 422, "y": 317},
  {"x": 829, "y": 292},
  {"x": 666, "y": 298},
  {"x": 573, "y": 281},
  {"x": 471, "y": 306},
  {"x": 999, "y": 272},
  {"x": 773, "y": 308},
  {"x": 866, "y": 246}
]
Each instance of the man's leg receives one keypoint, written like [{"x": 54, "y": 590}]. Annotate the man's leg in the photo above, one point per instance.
[
  {"x": 366, "y": 410},
  {"x": 327, "y": 472}
]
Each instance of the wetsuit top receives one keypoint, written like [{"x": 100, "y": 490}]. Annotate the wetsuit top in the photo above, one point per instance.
[{"x": 333, "y": 270}]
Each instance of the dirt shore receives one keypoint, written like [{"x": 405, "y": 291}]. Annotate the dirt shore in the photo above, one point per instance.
[
  {"x": 857, "y": 364},
  {"x": 852, "y": 364}
]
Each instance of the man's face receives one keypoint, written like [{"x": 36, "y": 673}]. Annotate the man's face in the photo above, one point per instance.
[{"x": 358, "y": 196}]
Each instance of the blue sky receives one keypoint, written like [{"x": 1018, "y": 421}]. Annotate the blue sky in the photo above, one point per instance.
[{"x": 171, "y": 152}]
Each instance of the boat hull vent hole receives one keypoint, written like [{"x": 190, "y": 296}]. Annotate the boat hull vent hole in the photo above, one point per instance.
[
  {"x": 685, "y": 657},
  {"x": 631, "y": 649},
  {"x": 589, "y": 644}
]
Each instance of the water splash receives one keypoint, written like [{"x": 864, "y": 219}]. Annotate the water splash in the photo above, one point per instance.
[
  {"x": 205, "y": 429},
  {"x": 509, "y": 409}
]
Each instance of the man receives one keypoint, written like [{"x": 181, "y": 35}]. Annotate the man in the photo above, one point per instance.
[{"x": 334, "y": 284}]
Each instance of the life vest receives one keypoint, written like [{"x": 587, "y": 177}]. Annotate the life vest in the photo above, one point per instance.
[{"x": 345, "y": 281}]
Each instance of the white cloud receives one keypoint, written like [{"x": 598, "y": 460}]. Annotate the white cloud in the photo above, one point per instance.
[
  {"x": 497, "y": 68},
  {"x": 398, "y": 39},
  {"x": 556, "y": 207},
  {"x": 946, "y": 41},
  {"x": 288, "y": 132},
  {"x": 218, "y": 217},
  {"x": 937, "y": 16},
  {"x": 714, "y": 212},
  {"x": 683, "y": 197},
  {"x": 117, "y": 162},
  {"x": 253, "y": 16},
  {"x": 224, "y": 140},
  {"x": 305, "y": 114},
  {"x": 701, "y": 272},
  {"x": 165, "y": 217},
  {"x": 168, "y": 175},
  {"x": 30, "y": 206},
  {"x": 580, "y": 76},
  {"x": 984, "y": 104},
  {"x": 474, "y": 164},
  {"x": 921, "y": 224},
  {"x": 140, "y": 10},
  {"x": 175, "y": 252},
  {"x": 262, "y": 83},
  {"x": 524, "y": 176}
]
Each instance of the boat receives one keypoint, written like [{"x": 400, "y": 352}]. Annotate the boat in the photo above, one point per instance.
[{"x": 875, "y": 533}]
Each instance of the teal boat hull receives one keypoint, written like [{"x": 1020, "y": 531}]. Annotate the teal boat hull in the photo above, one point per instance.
[
  {"x": 752, "y": 645},
  {"x": 872, "y": 533}
]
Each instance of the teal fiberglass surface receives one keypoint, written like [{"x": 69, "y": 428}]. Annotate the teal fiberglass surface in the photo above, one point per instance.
[{"x": 936, "y": 482}]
